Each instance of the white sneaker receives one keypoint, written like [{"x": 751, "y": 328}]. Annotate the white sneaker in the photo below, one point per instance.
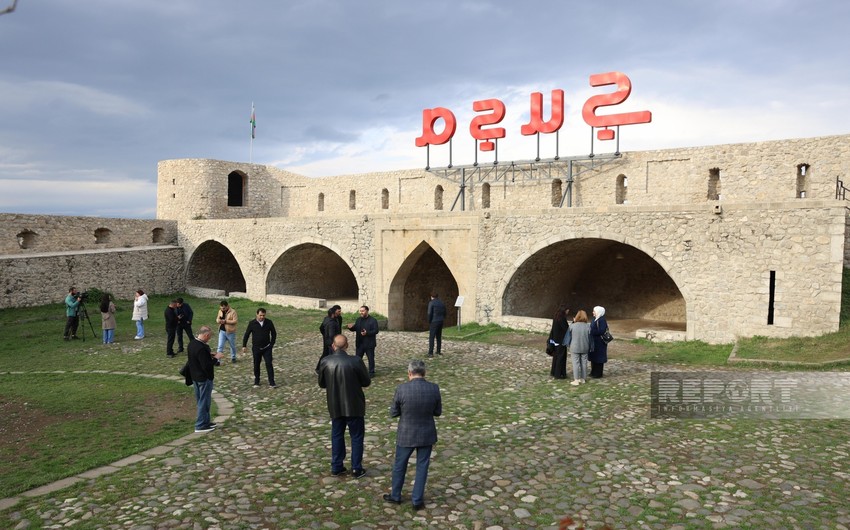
[
  {"x": 582, "y": 381},
  {"x": 137, "y": 337},
  {"x": 575, "y": 382}
]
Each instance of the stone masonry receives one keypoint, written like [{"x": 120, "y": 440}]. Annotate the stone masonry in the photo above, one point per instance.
[{"x": 730, "y": 240}]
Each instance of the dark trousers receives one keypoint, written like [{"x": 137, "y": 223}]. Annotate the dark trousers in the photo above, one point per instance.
[
  {"x": 435, "y": 333},
  {"x": 326, "y": 350},
  {"x": 357, "y": 429},
  {"x": 559, "y": 363},
  {"x": 370, "y": 354},
  {"x": 169, "y": 342},
  {"x": 187, "y": 329},
  {"x": 71, "y": 326},
  {"x": 263, "y": 355},
  {"x": 596, "y": 370}
]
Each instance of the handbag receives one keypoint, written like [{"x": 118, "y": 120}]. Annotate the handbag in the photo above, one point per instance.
[
  {"x": 186, "y": 374},
  {"x": 607, "y": 337}
]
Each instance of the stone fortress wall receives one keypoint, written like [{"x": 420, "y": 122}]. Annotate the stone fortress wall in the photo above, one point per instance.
[
  {"x": 42, "y": 255},
  {"x": 727, "y": 241}
]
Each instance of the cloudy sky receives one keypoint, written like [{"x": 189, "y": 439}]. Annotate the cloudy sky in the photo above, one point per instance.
[{"x": 94, "y": 93}]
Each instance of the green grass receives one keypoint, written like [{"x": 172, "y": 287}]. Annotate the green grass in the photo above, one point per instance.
[{"x": 111, "y": 417}]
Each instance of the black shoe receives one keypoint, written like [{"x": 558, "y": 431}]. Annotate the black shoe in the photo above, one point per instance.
[
  {"x": 418, "y": 507},
  {"x": 180, "y": 350},
  {"x": 389, "y": 498},
  {"x": 205, "y": 429},
  {"x": 272, "y": 385},
  {"x": 212, "y": 425},
  {"x": 430, "y": 355},
  {"x": 75, "y": 337},
  {"x": 439, "y": 353},
  {"x": 171, "y": 355},
  {"x": 359, "y": 473},
  {"x": 233, "y": 361},
  {"x": 342, "y": 471},
  {"x": 371, "y": 375}
]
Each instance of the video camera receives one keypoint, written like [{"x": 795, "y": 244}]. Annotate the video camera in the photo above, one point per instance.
[{"x": 83, "y": 296}]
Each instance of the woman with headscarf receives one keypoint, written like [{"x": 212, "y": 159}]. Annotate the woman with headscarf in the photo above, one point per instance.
[
  {"x": 599, "y": 354},
  {"x": 556, "y": 338}
]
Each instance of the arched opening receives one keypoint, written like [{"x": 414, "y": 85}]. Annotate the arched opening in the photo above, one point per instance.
[
  {"x": 714, "y": 184},
  {"x": 312, "y": 271},
  {"x": 352, "y": 200},
  {"x": 321, "y": 205},
  {"x": 622, "y": 189},
  {"x": 213, "y": 266},
  {"x": 237, "y": 184},
  {"x": 158, "y": 236},
  {"x": 385, "y": 199},
  {"x": 632, "y": 287},
  {"x": 27, "y": 239},
  {"x": 102, "y": 236},
  {"x": 421, "y": 273},
  {"x": 803, "y": 171},
  {"x": 438, "y": 197},
  {"x": 557, "y": 193},
  {"x": 485, "y": 195}
]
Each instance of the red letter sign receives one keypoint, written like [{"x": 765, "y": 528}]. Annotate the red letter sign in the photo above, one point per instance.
[
  {"x": 536, "y": 123},
  {"x": 475, "y": 126},
  {"x": 624, "y": 88},
  {"x": 429, "y": 136}
]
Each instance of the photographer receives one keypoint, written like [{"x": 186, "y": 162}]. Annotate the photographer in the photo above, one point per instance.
[{"x": 72, "y": 310}]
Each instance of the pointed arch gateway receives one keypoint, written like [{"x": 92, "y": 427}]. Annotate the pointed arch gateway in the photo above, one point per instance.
[
  {"x": 213, "y": 266},
  {"x": 422, "y": 272},
  {"x": 586, "y": 272}
]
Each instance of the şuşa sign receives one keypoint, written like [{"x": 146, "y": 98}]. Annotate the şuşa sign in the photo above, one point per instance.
[{"x": 481, "y": 127}]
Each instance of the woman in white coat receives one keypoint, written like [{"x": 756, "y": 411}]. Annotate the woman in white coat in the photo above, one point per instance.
[{"x": 140, "y": 313}]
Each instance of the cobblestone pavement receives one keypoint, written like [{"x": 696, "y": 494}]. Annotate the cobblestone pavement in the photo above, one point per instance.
[{"x": 516, "y": 450}]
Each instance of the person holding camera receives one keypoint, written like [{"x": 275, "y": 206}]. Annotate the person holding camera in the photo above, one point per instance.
[
  {"x": 227, "y": 319},
  {"x": 72, "y": 312},
  {"x": 202, "y": 363}
]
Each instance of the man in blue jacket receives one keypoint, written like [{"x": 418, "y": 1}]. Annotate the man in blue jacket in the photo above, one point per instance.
[
  {"x": 436, "y": 316},
  {"x": 415, "y": 403}
]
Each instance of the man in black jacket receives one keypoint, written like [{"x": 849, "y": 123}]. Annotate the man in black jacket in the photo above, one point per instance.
[
  {"x": 202, "y": 367},
  {"x": 184, "y": 322},
  {"x": 365, "y": 329},
  {"x": 263, "y": 338},
  {"x": 436, "y": 316},
  {"x": 170, "y": 327},
  {"x": 330, "y": 327},
  {"x": 344, "y": 377}
]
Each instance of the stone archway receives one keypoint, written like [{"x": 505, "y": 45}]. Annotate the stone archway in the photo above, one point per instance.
[
  {"x": 213, "y": 266},
  {"x": 314, "y": 271},
  {"x": 421, "y": 273},
  {"x": 587, "y": 272}
]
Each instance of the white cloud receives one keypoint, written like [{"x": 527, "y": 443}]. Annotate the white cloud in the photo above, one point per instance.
[
  {"x": 24, "y": 95},
  {"x": 118, "y": 198}
]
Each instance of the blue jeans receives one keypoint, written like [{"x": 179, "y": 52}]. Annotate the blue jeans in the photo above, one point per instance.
[
  {"x": 140, "y": 328},
  {"x": 423, "y": 460},
  {"x": 108, "y": 336},
  {"x": 230, "y": 338},
  {"x": 203, "y": 394},
  {"x": 357, "y": 430}
]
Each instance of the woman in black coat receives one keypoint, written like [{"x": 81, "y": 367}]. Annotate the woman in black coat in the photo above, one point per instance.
[
  {"x": 599, "y": 355},
  {"x": 556, "y": 336}
]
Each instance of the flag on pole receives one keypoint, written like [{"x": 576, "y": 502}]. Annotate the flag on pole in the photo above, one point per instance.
[{"x": 253, "y": 123}]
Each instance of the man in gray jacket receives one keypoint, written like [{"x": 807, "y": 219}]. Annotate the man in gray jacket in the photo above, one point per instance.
[
  {"x": 344, "y": 377},
  {"x": 415, "y": 403}
]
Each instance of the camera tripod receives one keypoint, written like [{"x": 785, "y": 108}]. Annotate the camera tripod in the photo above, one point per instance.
[{"x": 82, "y": 312}]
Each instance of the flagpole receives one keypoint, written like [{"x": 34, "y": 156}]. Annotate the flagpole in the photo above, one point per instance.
[{"x": 253, "y": 127}]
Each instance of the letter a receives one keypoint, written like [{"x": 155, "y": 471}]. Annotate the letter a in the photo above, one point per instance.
[{"x": 429, "y": 135}]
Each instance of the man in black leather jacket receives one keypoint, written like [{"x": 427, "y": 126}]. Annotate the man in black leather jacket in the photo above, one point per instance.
[{"x": 344, "y": 377}]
